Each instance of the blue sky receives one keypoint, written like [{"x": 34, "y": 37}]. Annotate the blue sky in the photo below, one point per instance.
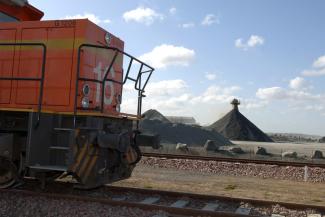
[{"x": 269, "y": 54}]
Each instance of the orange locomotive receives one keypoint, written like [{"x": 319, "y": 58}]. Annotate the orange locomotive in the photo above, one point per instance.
[{"x": 61, "y": 86}]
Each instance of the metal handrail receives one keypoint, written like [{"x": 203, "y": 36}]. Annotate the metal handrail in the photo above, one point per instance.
[
  {"x": 137, "y": 81},
  {"x": 40, "y": 79}
]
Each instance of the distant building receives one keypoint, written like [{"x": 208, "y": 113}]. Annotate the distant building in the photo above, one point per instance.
[{"x": 181, "y": 120}]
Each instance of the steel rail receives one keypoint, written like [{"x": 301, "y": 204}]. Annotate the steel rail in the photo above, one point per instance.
[
  {"x": 83, "y": 197},
  {"x": 148, "y": 207},
  {"x": 296, "y": 206},
  {"x": 233, "y": 160}
]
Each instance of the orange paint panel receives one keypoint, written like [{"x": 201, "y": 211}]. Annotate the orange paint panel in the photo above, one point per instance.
[
  {"x": 30, "y": 66},
  {"x": 6, "y": 64},
  {"x": 62, "y": 39},
  {"x": 95, "y": 62},
  {"x": 58, "y": 69}
]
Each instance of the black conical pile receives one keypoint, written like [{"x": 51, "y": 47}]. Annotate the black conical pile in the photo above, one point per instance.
[
  {"x": 236, "y": 126},
  {"x": 153, "y": 114},
  {"x": 155, "y": 123}
]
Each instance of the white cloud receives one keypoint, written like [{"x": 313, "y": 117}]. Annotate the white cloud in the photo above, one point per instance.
[
  {"x": 297, "y": 83},
  {"x": 239, "y": 43},
  {"x": 210, "y": 19},
  {"x": 250, "y": 104},
  {"x": 279, "y": 93},
  {"x": 253, "y": 41},
  {"x": 166, "y": 87},
  {"x": 271, "y": 93},
  {"x": 313, "y": 73},
  {"x": 210, "y": 76},
  {"x": 187, "y": 25},
  {"x": 166, "y": 55},
  {"x": 320, "y": 62},
  {"x": 167, "y": 96},
  {"x": 314, "y": 108},
  {"x": 143, "y": 15},
  {"x": 216, "y": 94},
  {"x": 92, "y": 17},
  {"x": 172, "y": 10},
  {"x": 128, "y": 87},
  {"x": 172, "y": 104},
  {"x": 318, "y": 68},
  {"x": 231, "y": 89},
  {"x": 175, "y": 97}
]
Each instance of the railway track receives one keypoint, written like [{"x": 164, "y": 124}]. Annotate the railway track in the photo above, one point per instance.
[
  {"x": 171, "y": 203},
  {"x": 234, "y": 160}
]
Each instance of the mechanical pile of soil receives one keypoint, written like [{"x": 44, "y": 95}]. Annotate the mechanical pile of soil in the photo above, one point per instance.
[
  {"x": 155, "y": 123},
  {"x": 236, "y": 126}
]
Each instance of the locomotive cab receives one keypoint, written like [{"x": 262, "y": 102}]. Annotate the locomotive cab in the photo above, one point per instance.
[{"x": 61, "y": 85}]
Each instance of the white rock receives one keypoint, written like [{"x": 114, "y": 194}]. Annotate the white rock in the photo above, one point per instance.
[
  {"x": 181, "y": 147},
  {"x": 290, "y": 154}
]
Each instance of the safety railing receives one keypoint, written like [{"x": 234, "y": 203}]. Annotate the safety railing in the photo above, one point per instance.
[
  {"x": 40, "y": 79},
  {"x": 139, "y": 83}
]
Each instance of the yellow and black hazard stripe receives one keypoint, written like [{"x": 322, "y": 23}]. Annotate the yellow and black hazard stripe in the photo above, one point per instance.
[
  {"x": 131, "y": 155},
  {"x": 85, "y": 160}
]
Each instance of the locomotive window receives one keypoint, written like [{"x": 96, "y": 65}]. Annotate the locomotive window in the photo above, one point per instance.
[{"x": 6, "y": 18}]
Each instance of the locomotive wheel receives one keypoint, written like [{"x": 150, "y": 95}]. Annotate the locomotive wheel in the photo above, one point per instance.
[{"x": 8, "y": 173}]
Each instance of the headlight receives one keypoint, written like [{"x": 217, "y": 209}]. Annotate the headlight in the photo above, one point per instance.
[
  {"x": 85, "y": 102},
  {"x": 108, "y": 38},
  {"x": 86, "y": 89}
]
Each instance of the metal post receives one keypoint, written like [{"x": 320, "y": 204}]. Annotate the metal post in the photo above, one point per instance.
[{"x": 306, "y": 174}]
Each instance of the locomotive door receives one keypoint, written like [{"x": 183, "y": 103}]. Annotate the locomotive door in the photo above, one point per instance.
[
  {"x": 6, "y": 64},
  {"x": 58, "y": 71}
]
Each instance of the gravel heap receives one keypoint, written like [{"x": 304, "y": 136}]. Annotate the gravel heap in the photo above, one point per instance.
[
  {"x": 153, "y": 114},
  {"x": 321, "y": 140},
  {"x": 238, "y": 169},
  {"x": 13, "y": 204},
  {"x": 154, "y": 123},
  {"x": 236, "y": 126}
]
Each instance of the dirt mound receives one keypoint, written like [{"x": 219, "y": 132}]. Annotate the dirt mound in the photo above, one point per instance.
[
  {"x": 180, "y": 133},
  {"x": 153, "y": 114},
  {"x": 236, "y": 126},
  {"x": 321, "y": 140}
]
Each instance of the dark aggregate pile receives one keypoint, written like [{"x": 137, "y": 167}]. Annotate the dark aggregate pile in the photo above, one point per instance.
[
  {"x": 152, "y": 114},
  {"x": 236, "y": 126},
  {"x": 321, "y": 140},
  {"x": 178, "y": 133}
]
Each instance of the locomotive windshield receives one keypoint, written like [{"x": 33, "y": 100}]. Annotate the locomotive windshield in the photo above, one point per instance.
[{"x": 6, "y": 18}]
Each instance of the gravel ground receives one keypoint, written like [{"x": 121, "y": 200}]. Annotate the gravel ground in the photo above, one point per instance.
[
  {"x": 15, "y": 205},
  {"x": 277, "y": 209},
  {"x": 238, "y": 169}
]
